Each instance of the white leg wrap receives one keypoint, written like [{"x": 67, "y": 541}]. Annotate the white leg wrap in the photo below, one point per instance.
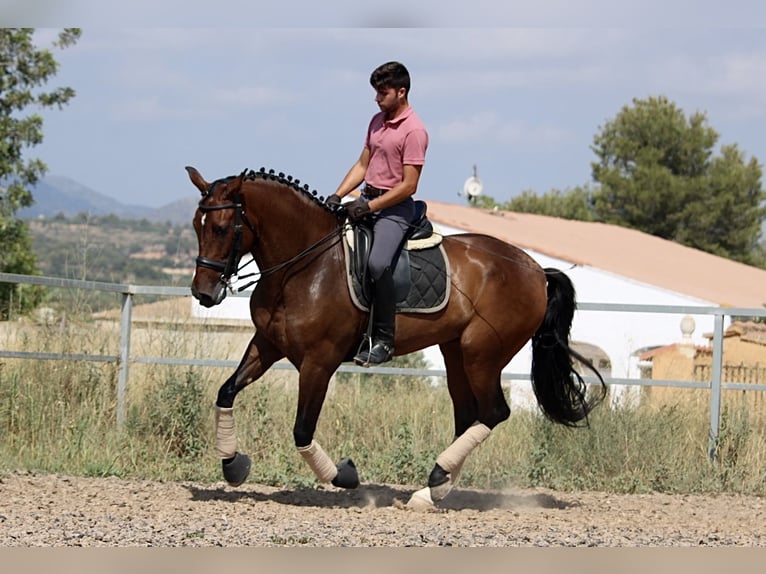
[
  {"x": 225, "y": 433},
  {"x": 451, "y": 460},
  {"x": 421, "y": 500},
  {"x": 439, "y": 492},
  {"x": 453, "y": 457},
  {"x": 320, "y": 463},
  {"x": 454, "y": 474}
]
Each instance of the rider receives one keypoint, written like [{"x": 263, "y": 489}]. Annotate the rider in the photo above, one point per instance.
[{"x": 390, "y": 164}]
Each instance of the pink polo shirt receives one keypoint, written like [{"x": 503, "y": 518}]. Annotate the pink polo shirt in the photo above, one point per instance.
[{"x": 394, "y": 144}]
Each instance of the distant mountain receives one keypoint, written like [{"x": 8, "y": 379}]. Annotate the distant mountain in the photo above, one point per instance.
[
  {"x": 57, "y": 194},
  {"x": 179, "y": 212},
  {"x": 61, "y": 195}
]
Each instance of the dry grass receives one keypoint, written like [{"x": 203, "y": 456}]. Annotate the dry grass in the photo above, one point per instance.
[{"x": 60, "y": 416}]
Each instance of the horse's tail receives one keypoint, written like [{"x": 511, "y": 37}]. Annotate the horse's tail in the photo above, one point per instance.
[{"x": 560, "y": 390}]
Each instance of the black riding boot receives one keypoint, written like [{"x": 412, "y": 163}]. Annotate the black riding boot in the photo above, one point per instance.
[{"x": 383, "y": 321}]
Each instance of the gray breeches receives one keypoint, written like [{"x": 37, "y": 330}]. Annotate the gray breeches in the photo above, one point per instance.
[{"x": 390, "y": 226}]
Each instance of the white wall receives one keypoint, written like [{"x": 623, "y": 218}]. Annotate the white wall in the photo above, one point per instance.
[{"x": 620, "y": 335}]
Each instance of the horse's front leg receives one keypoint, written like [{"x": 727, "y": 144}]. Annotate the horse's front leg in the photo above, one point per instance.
[
  {"x": 258, "y": 357},
  {"x": 313, "y": 382}
]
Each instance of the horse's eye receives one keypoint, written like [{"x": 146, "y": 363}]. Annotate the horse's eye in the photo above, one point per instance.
[{"x": 220, "y": 229}]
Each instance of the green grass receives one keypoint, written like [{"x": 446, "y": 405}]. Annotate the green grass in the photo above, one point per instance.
[{"x": 60, "y": 417}]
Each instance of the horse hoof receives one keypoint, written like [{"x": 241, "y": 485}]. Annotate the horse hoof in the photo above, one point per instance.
[
  {"x": 439, "y": 492},
  {"x": 236, "y": 469},
  {"x": 347, "y": 476},
  {"x": 421, "y": 500}
]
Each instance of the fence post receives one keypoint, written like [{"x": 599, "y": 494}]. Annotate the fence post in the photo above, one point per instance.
[
  {"x": 122, "y": 376},
  {"x": 715, "y": 389}
]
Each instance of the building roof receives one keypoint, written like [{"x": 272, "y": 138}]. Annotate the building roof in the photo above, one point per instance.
[
  {"x": 748, "y": 331},
  {"x": 672, "y": 348},
  {"x": 618, "y": 250}
]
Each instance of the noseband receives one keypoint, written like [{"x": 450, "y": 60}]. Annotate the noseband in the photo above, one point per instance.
[{"x": 229, "y": 267}]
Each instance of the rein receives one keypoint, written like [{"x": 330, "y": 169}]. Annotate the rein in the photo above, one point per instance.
[{"x": 335, "y": 234}]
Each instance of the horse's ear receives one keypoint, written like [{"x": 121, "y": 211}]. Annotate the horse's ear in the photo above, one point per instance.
[
  {"x": 241, "y": 177},
  {"x": 198, "y": 180},
  {"x": 235, "y": 184}
]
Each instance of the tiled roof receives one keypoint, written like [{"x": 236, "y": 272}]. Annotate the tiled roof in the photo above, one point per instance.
[
  {"x": 649, "y": 355},
  {"x": 619, "y": 250},
  {"x": 749, "y": 331},
  {"x": 672, "y": 348}
]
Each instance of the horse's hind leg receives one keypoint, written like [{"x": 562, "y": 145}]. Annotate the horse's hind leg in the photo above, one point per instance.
[
  {"x": 465, "y": 407},
  {"x": 258, "y": 357},
  {"x": 479, "y": 405}
]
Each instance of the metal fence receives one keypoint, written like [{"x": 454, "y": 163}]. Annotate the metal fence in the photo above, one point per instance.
[{"x": 714, "y": 382}]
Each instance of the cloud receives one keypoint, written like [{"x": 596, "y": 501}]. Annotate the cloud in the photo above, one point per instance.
[
  {"x": 484, "y": 46},
  {"x": 490, "y": 127},
  {"x": 730, "y": 81},
  {"x": 400, "y": 13},
  {"x": 149, "y": 108},
  {"x": 154, "y": 74},
  {"x": 741, "y": 73},
  {"x": 45, "y": 37},
  {"x": 246, "y": 97},
  {"x": 206, "y": 104}
]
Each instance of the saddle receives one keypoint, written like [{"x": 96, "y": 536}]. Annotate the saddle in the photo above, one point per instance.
[{"x": 421, "y": 271}]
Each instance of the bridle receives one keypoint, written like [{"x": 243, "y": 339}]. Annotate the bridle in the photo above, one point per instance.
[{"x": 229, "y": 267}]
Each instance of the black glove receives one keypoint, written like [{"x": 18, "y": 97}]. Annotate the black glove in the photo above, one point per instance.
[
  {"x": 333, "y": 202},
  {"x": 358, "y": 209}
]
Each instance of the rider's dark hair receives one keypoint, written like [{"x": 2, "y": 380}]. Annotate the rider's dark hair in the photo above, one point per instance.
[{"x": 390, "y": 75}]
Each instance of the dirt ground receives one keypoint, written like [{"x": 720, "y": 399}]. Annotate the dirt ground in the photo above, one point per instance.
[{"x": 50, "y": 510}]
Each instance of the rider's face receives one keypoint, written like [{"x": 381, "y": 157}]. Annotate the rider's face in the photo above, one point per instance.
[{"x": 390, "y": 100}]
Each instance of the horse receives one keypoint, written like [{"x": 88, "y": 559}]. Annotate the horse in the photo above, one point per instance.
[{"x": 302, "y": 310}]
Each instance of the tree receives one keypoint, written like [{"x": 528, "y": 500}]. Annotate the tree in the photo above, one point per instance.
[
  {"x": 571, "y": 204},
  {"x": 657, "y": 173},
  {"x": 24, "y": 69},
  {"x": 484, "y": 202},
  {"x": 726, "y": 219}
]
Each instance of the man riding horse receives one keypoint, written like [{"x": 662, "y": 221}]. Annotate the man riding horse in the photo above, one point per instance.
[{"x": 390, "y": 165}]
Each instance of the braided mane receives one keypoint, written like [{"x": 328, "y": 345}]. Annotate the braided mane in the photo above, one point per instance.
[{"x": 289, "y": 181}]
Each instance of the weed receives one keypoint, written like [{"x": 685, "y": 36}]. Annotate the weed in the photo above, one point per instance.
[
  {"x": 175, "y": 414},
  {"x": 291, "y": 540},
  {"x": 59, "y": 416}
]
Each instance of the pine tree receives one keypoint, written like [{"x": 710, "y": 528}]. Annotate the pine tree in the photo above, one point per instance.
[{"x": 658, "y": 173}]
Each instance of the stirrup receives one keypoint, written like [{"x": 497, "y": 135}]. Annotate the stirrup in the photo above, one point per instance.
[
  {"x": 379, "y": 353},
  {"x": 362, "y": 358},
  {"x": 363, "y": 352}
]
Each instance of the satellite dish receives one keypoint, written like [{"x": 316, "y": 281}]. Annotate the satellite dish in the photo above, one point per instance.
[{"x": 472, "y": 186}]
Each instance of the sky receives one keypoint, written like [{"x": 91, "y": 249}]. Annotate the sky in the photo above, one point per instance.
[{"x": 517, "y": 89}]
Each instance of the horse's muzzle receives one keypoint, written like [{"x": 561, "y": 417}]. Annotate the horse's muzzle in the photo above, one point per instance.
[{"x": 209, "y": 297}]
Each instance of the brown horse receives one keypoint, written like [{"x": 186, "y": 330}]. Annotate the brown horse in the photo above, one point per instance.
[{"x": 302, "y": 310}]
